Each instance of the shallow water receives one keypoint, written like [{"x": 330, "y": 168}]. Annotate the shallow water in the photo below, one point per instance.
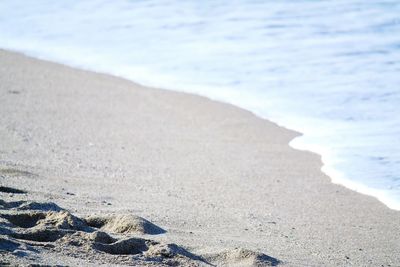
[{"x": 329, "y": 69}]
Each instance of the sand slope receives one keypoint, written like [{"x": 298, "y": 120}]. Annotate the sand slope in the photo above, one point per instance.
[{"x": 217, "y": 179}]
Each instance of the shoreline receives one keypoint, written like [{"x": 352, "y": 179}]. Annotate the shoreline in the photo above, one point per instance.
[
  {"x": 341, "y": 179},
  {"x": 335, "y": 175},
  {"x": 214, "y": 175}
]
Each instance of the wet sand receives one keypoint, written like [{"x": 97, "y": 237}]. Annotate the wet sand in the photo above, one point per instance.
[{"x": 222, "y": 185}]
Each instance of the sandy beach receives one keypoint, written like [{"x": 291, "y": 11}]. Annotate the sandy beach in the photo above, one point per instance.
[{"x": 143, "y": 176}]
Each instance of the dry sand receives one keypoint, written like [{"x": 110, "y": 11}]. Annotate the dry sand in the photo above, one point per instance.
[{"x": 216, "y": 184}]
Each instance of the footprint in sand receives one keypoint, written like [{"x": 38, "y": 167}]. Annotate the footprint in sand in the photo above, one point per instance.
[{"x": 124, "y": 224}]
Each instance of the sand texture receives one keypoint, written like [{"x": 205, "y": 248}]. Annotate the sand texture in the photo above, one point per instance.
[{"x": 96, "y": 170}]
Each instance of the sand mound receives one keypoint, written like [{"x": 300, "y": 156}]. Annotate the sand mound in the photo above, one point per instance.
[
  {"x": 101, "y": 237},
  {"x": 129, "y": 246},
  {"x": 160, "y": 251},
  {"x": 28, "y": 229},
  {"x": 243, "y": 257},
  {"x": 62, "y": 220},
  {"x": 31, "y": 205},
  {"x": 124, "y": 224},
  {"x": 41, "y": 226},
  {"x": 50, "y": 219},
  {"x": 46, "y": 228}
]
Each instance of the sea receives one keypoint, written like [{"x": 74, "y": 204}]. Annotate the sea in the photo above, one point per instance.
[{"x": 328, "y": 69}]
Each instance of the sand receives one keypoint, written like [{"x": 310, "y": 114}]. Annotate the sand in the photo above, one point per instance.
[{"x": 96, "y": 170}]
